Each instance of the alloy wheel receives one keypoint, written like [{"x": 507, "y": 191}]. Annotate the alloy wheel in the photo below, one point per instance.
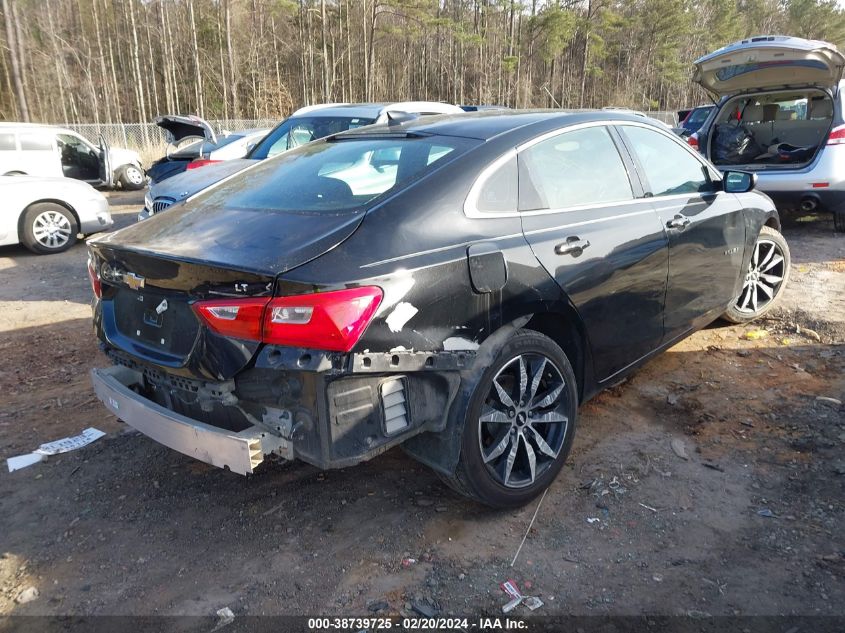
[
  {"x": 764, "y": 278},
  {"x": 523, "y": 421},
  {"x": 51, "y": 229}
]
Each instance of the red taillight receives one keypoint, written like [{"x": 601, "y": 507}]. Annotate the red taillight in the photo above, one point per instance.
[
  {"x": 692, "y": 141},
  {"x": 94, "y": 278},
  {"x": 837, "y": 136},
  {"x": 201, "y": 162},
  {"x": 332, "y": 321},
  {"x": 324, "y": 320},
  {"x": 238, "y": 318}
]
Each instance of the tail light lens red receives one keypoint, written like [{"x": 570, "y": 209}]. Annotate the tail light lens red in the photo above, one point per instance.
[
  {"x": 238, "y": 318},
  {"x": 94, "y": 278},
  {"x": 837, "y": 136},
  {"x": 331, "y": 321},
  {"x": 200, "y": 162},
  {"x": 692, "y": 141}
]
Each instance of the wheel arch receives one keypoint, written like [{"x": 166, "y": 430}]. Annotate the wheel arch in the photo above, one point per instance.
[
  {"x": 62, "y": 203},
  {"x": 560, "y": 322}
]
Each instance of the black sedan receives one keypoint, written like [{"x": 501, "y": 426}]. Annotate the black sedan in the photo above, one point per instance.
[{"x": 456, "y": 285}]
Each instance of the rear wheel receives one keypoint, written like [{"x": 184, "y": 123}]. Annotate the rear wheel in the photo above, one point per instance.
[
  {"x": 519, "y": 423},
  {"x": 48, "y": 228},
  {"x": 839, "y": 221},
  {"x": 131, "y": 178},
  {"x": 765, "y": 279}
]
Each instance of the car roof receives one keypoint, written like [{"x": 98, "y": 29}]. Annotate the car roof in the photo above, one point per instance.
[
  {"x": 489, "y": 124},
  {"x": 373, "y": 110}
]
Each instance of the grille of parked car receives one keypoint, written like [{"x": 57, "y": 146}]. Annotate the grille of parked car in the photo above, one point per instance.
[{"x": 160, "y": 204}]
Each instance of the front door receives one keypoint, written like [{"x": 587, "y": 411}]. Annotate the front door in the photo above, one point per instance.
[
  {"x": 589, "y": 226},
  {"x": 705, "y": 226}
]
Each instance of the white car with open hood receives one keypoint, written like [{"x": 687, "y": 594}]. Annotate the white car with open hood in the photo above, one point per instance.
[
  {"x": 47, "y": 214},
  {"x": 779, "y": 115}
]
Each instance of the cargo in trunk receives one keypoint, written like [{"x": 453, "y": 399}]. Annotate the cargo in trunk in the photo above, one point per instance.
[{"x": 773, "y": 130}]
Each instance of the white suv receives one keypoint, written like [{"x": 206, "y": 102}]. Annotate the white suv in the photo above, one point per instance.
[
  {"x": 779, "y": 115},
  {"x": 44, "y": 150}
]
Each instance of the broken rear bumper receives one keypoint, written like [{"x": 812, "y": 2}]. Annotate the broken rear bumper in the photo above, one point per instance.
[
  {"x": 301, "y": 405},
  {"x": 239, "y": 452}
]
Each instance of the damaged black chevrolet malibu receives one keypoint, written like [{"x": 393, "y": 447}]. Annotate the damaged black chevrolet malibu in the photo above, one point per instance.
[{"x": 455, "y": 285}]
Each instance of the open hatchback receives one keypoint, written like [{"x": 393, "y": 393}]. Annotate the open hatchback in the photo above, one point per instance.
[{"x": 779, "y": 114}]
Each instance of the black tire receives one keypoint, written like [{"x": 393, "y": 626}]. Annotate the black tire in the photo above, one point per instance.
[
  {"x": 748, "y": 306},
  {"x": 839, "y": 221},
  {"x": 48, "y": 227},
  {"x": 485, "y": 481},
  {"x": 131, "y": 178}
]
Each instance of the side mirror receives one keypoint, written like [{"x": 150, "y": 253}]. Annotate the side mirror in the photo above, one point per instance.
[{"x": 739, "y": 181}]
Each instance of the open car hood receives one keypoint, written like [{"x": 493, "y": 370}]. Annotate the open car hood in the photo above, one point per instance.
[
  {"x": 771, "y": 61},
  {"x": 178, "y": 127}
]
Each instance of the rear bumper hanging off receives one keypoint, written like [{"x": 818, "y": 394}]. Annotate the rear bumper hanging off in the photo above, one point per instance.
[{"x": 239, "y": 452}]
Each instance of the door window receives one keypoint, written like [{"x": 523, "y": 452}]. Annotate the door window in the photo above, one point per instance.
[
  {"x": 669, "y": 168},
  {"x": 574, "y": 169},
  {"x": 36, "y": 142}
]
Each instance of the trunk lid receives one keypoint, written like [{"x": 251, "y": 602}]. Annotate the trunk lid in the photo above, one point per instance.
[
  {"x": 153, "y": 271},
  {"x": 178, "y": 127},
  {"x": 769, "y": 62}
]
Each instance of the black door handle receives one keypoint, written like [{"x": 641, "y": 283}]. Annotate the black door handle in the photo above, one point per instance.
[
  {"x": 679, "y": 222},
  {"x": 572, "y": 246}
]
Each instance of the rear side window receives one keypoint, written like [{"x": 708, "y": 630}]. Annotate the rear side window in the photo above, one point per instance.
[
  {"x": 335, "y": 176},
  {"x": 36, "y": 142},
  {"x": 574, "y": 169},
  {"x": 498, "y": 192},
  {"x": 669, "y": 168},
  {"x": 7, "y": 142}
]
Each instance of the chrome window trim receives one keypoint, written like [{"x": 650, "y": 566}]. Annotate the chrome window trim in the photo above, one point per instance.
[{"x": 471, "y": 210}]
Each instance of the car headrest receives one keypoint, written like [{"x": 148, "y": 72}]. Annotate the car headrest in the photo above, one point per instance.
[
  {"x": 821, "y": 109},
  {"x": 752, "y": 113},
  {"x": 785, "y": 115},
  {"x": 770, "y": 112}
]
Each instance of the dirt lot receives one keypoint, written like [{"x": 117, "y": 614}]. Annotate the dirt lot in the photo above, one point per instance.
[{"x": 750, "y": 523}]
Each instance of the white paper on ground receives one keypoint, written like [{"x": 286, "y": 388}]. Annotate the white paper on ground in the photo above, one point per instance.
[
  {"x": 70, "y": 443},
  {"x": 54, "y": 448},
  {"x": 22, "y": 461}
]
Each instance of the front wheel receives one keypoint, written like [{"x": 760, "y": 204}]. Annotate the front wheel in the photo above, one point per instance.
[
  {"x": 519, "y": 423},
  {"x": 765, "y": 279},
  {"x": 131, "y": 178}
]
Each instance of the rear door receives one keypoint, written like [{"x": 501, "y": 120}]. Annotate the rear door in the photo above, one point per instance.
[
  {"x": 705, "y": 225},
  {"x": 589, "y": 226},
  {"x": 38, "y": 155}
]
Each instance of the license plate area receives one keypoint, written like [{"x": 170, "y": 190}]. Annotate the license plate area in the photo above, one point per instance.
[{"x": 154, "y": 320}]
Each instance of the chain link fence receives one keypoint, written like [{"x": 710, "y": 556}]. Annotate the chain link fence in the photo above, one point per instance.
[{"x": 149, "y": 140}]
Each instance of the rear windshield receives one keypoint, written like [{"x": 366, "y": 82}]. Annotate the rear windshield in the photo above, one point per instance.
[
  {"x": 698, "y": 115},
  {"x": 300, "y": 130},
  {"x": 335, "y": 175}
]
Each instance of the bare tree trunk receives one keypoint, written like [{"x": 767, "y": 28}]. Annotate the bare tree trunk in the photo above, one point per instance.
[
  {"x": 11, "y": 27},
  {"x": 199, "y": 87},
  {"x": 236, "y": 106}
]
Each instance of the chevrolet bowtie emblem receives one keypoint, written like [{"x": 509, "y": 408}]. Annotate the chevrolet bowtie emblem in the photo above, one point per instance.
[{"x": 133, "y": 281}]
